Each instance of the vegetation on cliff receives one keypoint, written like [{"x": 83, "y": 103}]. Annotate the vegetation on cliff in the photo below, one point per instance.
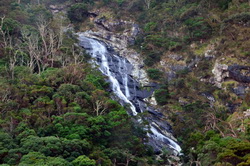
[
  {"x": 182, "y": 41},
  {"x": 54, "y": 108}
]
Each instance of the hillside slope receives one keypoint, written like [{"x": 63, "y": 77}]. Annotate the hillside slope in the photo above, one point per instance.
[{"x": 196, "y": 50}]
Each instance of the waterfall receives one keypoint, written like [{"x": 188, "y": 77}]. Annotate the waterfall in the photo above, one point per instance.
[{"x": 118, "y": 70}]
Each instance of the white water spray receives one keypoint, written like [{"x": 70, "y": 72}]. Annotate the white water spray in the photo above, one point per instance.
[{"x": 99, "y": 51}]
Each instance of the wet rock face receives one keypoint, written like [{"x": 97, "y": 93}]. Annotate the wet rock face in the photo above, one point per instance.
[
  {"x": 209, "y": 96},
  {"x": 112, "y": 26},
  {"x": 240, "y": 90},
  {"x": 121, "y": 70},
  {"x": 128, "y": 92},
  {"x": 239, "y": 73},
  {"x": 120, "y": 42},
  {"x": 129, "y": 81},
  {"x": 236, "y": 72}
]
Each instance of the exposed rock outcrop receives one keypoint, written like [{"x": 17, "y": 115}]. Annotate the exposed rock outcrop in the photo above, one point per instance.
[
  {"x": 120, "y": 42},
  {"x": 235, "y": 72},
  {"x": 220, "y": 72},
  {"x": 128, "y": 93},
  {"x": 239, "y": 73}
]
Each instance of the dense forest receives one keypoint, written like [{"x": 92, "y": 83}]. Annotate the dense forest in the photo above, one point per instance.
[{"x": 58, "y": 110}]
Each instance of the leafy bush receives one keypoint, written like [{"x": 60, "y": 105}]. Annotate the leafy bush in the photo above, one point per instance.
[
  {"x": 223, "y": 4},
  {"x": 154, "y": 74},
  {"x": 83, "y": 161},
  {"x": 152, "y": 58},
  {"x": 11, "y": 26},
  {"x": 239, "y": 17},
  {"x": 39, "y": 12},
  {"x": 162, "y": 96},
  {"x": 150, "y": 26},
  {"x": 198, "y": 28},
  {"x": 78, "y": 12},
  {"x": 120, "y": 2}
]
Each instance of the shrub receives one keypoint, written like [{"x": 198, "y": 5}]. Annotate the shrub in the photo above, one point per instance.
[
  {"x": 198, "y": 28},
  {"x": 83, "y": 161},
  {"x": 241, "y": 17},
  {"x": 150, "y": 26},
  {"x": 152, "y": 58},
  {"x": 223, "y": 4},
  {"x": 78, "y": 12},
  {"x": 154, "y": 74},
  {"x": 162, "y": 96},
  {"x": 11, "y": 26}
]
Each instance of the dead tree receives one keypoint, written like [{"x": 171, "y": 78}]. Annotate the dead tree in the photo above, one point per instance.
[
  {"x": 10, "y": 49},
  {"x": 147, "y": 3},
  {"x": 228, "y": 127},
  {"x": 212, "y": 123},
  {"x": 77, "y": 56},
  {"x": 99, "y": 107},
  {"x": 51, "y": 41},
  {"x": 3, "y": 33},
  {"x": 43, "y": 31}
]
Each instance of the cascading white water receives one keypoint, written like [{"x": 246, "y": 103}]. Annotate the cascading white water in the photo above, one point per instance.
[
  {"x": 99, "y": 50},
  {"x": 125, "y": 88},
  {"x": 163, "y": 138}
]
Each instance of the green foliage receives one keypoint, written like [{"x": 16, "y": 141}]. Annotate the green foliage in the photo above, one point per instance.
[
  {"x": 78, "y": 12},
  {"x": 83, "y": 161},
  {"x": 68, "y": 91},
  {"x": 55, "y": 121},
  {"x": 51, "y": 119},
  {"x": 36, "y": 158},
  {"x": 11, "y": 26},
  {"x": 154, "y": 74},
  {"x": 97, "y": 80},
  {"x": 223, "y": 4},
  {"x": 211, "y": 148},
  {"x": 198, "y": 28},
  {"x": 37, "y": 13},
  {"x": 152, "y": 58},
  {"x": 239, "y": 17},
  {"x": 162, "y": 96},
  {"x": 120, "y": 2},
  {"x": 151, "y": 26}
]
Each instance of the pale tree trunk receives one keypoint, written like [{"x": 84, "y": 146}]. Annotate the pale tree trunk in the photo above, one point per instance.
[
  {"x": 76, "y": 56},
  {"x": 197, "y": 163},
  {"x": 51, "y": 42},
  {"x": 147, "y": 3},
  {"x": 212, "y": 121},
  {"x": 43, "y": 31},
  {"x": 9, "y": 48},
  {"x": 3, "y": 34},
  {"x": 99, "y": 107},
  {"x": 11, "y": 124},
  {"x": 12, "y": 63},
  {"x": 60, "y": 36},
  {"x": 52, "y": 46},
  {"x": 127, "y": 161},
  {"x": 31, "y": 63},
  {"x": 34, "y": 51}
]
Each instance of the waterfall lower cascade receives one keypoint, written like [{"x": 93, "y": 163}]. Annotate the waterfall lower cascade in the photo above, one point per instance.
[{"x": 118, "y": 70}]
